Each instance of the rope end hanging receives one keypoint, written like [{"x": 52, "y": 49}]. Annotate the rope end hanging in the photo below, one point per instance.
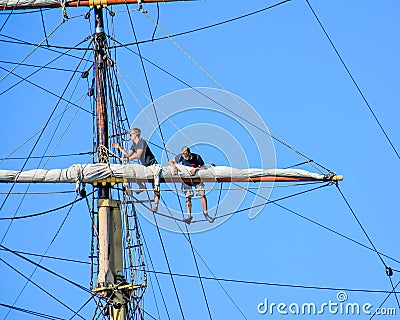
[{"x": 64, "y": 11}]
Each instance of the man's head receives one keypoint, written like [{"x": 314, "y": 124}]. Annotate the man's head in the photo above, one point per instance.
[
  {"x": 186, "y": 153},
  {"x": 135, "y": 132}
]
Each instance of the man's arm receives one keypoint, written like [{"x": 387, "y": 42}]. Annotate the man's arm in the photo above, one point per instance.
[
  {"x": 127, "y": 154},
  {"x": 201, "y": 164},
  {"x": 194, "y": 170},
  {"x": 137, "y": 154},
  {"x": 172, "y": 164}
]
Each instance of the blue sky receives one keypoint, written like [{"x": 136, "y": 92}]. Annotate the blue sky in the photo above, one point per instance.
[{"x": 281, "y": 63}]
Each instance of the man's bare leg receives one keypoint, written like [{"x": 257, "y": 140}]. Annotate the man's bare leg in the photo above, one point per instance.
[
  {"x": 156, "y": 201},
  {"x": 205, "y": 211},
  {"x": 188, "y": 220}
]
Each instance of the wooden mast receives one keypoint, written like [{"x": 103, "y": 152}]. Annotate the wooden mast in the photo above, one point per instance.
[{"x": 111, "y": 267}]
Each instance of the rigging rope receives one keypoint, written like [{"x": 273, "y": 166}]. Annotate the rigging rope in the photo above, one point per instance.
[
  {"x": 278, "y": 284},
  {"x": 152, "y": 265},
  {"x": 274, "y": 135},
  {"x": 204, "y": 262},
  {"x": 34, "y": 313},
  {"x": 205, "y": 27},
  {"x": 395, "y": 294},
  {"x": 61, "y": 55},
  {"x": 355, "y": 83},
  {"x": 42, "y": 289},
  {"x": 42, "y": 131},
  {"x": 369, "y": 239},
  {"x": 387, "y": 297},
  {"x": 30, "y": 53},
  {"x": 48, "y": 48},
  {"x": 46, "y": 269},
  {"x": 335, "y": 232},
  {"x": 361, "y": 226},
  {"x": 29, "y": 139},
  {"x": 44, "y": 212},
  {"x": 47, "y": 249},
  {"x": 277, "y": 138},
  {"x": 198, "y": 271},
  {"x": 162, "y": 137},
  {"x": 273, "y": 201},
  {"x": 324, "y": 227},
  {"x": 61, "y": 98},
  {"x": 49, "y": 156},
  {"x": 36, "y": 66},
  {"x": 49, "y": 257}
]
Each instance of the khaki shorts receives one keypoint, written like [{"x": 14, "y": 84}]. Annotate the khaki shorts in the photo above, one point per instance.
[{"x": 188, "y": 191}]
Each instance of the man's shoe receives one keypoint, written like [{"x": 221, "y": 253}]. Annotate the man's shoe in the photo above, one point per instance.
[
  {"x": 209, "y": 219},
  {"x": 188, "y": 220}
]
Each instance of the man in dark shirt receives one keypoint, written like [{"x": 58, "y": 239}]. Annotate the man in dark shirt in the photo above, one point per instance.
[
  {"x": 140, "y": 150},
  {"x": 196, "y": 162}
]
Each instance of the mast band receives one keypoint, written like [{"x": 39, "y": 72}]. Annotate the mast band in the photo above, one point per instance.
[{"x": 98, "y": 3}]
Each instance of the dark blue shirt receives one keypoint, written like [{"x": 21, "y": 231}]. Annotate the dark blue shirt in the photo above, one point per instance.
[{"x": 195, "y": 160}]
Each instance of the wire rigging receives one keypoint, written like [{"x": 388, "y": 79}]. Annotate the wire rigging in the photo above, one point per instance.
[
  {"x": 44, "y": 27},
  {"x": 387, "y": 297},
  {"x": 41, "y": 288},
  {"x": 32, "y": 51},
  {"x": 156, "y": 277},
  {"x": 31, "y": 312},
  {"x": 206, "y": 27},
  {"x": 185, "y": 235},
  {"x": 229, "y": 110},
  {"x": 273, "y": 284},
  {"x": 369, "y": 239},
  {"x": 46, "y": 269},
  {"x": 335, "y": 232},
  {"x": 50, "y": 156},
  {"x": 22, "y": 79},
  {"x": 61, "y": 98},
  {"x": 355, "y": 82},
  {"x": 48, "y": 257},
  {"x": 361, "y": 226},
  {"x": 198, "y": 271},
  {"x": 43, "y": 130},
  {"x": 273, "y": 201},
  {"x": 44, "y": 212},
  {"x": 41, "y": 259},
  {"x": 163, "y": 140},
  {"x": 36, "y": 66},
  {"x": 193, "y": 249}
]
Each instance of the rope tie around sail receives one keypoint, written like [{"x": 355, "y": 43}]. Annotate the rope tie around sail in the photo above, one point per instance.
[
  {"x": 157, "y": 169},
  {"x": 63, "y": 9},
  {"x": 79, "y": 173}
]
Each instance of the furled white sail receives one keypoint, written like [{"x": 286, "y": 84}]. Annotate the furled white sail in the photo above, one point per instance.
[
  {"x": 99, "y": 172},
  {"x": 20, "y": 4}
]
